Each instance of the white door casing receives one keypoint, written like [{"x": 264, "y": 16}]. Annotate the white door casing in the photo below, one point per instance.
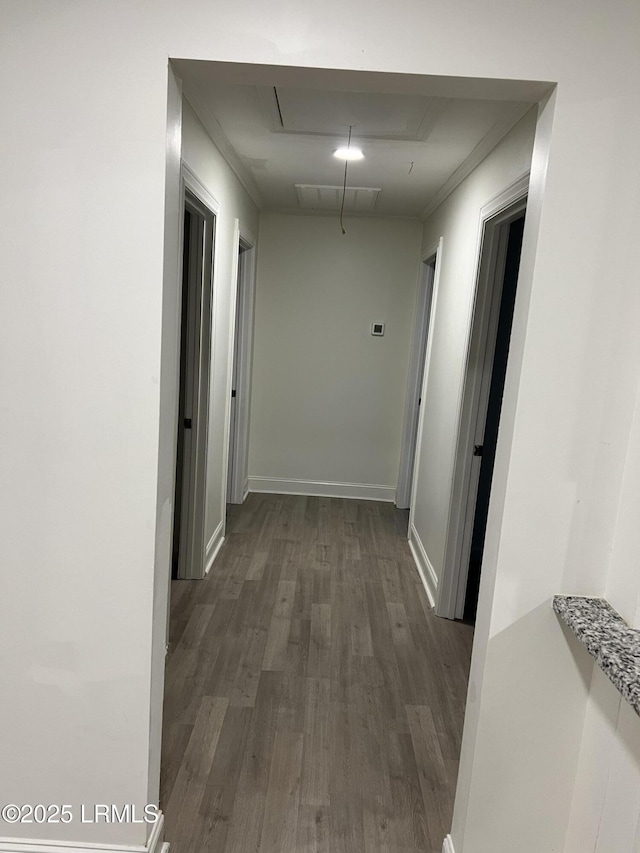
[
  {"x": 495, "y": 217},
  {"x": 191, "y": 563},
  {"x": 240, "y": 366},
  {"x": 415, "y": 377}
]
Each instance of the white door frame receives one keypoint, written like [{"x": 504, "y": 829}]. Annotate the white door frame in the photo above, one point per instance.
[
  {"x": 495, "y": 217},
  {"x": 415, "y": 378},
  {"x": 236, "y": 481},
  {"x": 424, "y": 382},
  {"x": 191, "y": 563}
]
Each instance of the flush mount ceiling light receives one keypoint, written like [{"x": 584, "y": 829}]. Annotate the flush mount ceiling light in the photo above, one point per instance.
[{"x": 348, "y": 153}]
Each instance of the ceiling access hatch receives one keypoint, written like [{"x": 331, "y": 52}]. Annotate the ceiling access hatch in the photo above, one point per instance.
[{"x": 320, "y": 197}]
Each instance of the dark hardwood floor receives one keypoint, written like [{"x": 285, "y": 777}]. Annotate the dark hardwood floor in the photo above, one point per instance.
[{"x": 313, "y": 702}]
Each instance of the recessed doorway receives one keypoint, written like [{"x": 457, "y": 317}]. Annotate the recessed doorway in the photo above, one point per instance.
[
  {"x": 242, "y": 347},
  {"x": 511, "y": 235},
  {"x": 193, "y": 395},
  {"x": 501, "y": 232},
  {"x": 415, "y": 379}
]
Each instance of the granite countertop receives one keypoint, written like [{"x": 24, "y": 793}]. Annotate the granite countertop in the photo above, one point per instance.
[{"x": 607, "y": 637}]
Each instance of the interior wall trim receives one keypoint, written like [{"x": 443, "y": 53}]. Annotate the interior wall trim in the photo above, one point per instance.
[
  {"x": 155, "y": 844},
  {"x": 213, "y": 546},
  {"x": 447, "y": 845},
  {"x": 198, "y": 188},
  {"x": 319, "y": 488},
  {"x": 423, "y": 564}
]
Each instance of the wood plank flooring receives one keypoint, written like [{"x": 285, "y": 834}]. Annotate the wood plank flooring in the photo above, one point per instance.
[{"x": 313, "y": 702}]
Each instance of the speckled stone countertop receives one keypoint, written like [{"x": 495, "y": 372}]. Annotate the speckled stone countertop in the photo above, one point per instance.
[{"x": 607, "y": 638}]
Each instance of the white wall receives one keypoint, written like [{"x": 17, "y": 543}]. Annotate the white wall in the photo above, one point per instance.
[
  {"x": 328, "y": 396},
  {"x": 81, "y": 293},
  {"x": 456, "y": 221},
  {"x": 606, "y": 803},
  {"x": 550, "y": 528},
  {"x": 169, "y": 380},
  {"x": 203, "y": 158},
  {"x": 82, "y": 219}
]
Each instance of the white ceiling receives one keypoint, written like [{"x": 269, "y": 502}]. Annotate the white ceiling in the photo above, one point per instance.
[{"x": 279, "y": 127}]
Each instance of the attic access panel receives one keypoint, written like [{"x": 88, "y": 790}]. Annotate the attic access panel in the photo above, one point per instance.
[{"x": 322, "y": 197}]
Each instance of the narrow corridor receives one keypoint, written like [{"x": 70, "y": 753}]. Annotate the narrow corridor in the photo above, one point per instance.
[{"x": 313, "y": 702}]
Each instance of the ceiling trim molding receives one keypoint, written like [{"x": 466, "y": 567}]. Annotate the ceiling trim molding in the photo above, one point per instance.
[
  {"x": 482, "y": 150},
  {"x": 224, "y": 146}
]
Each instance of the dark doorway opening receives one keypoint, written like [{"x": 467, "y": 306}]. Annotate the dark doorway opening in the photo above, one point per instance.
[
  {"x": 187, "y": 557},
  {"x": 494, "y": 406},
  {"x": 181, "y": 394}
]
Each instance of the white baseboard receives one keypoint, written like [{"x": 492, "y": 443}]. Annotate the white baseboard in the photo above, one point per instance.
[
  {"x": 447, "y": 845},
  {"x": 155, "y": 844},
  {"x": 423, "y": 564},
  {"x": 213, "y": 546},
  {"x": 318, "y": 488},
  {"x": 245, "y": 490}
]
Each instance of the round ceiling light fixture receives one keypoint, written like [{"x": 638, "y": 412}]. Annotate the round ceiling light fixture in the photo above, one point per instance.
[{"x": 348, "y": 153}]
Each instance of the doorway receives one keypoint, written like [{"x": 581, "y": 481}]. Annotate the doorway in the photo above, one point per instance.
[
  {"x": 484, "y": 453},
  {"x": 415, "y": 378},
  {"x": 500, "y": 244},
  {"x": 398, "y": 627},
  {"x": 242, "y": 357},
  {"x": 193, "y": 393}
]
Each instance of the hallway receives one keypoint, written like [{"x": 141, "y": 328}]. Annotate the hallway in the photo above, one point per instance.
[{"x": 313, "y": 702}]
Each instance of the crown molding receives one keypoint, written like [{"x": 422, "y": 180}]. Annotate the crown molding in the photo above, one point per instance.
[
  {"x": 222, "y": 143},
  {"x": 482, "y": 150}
]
